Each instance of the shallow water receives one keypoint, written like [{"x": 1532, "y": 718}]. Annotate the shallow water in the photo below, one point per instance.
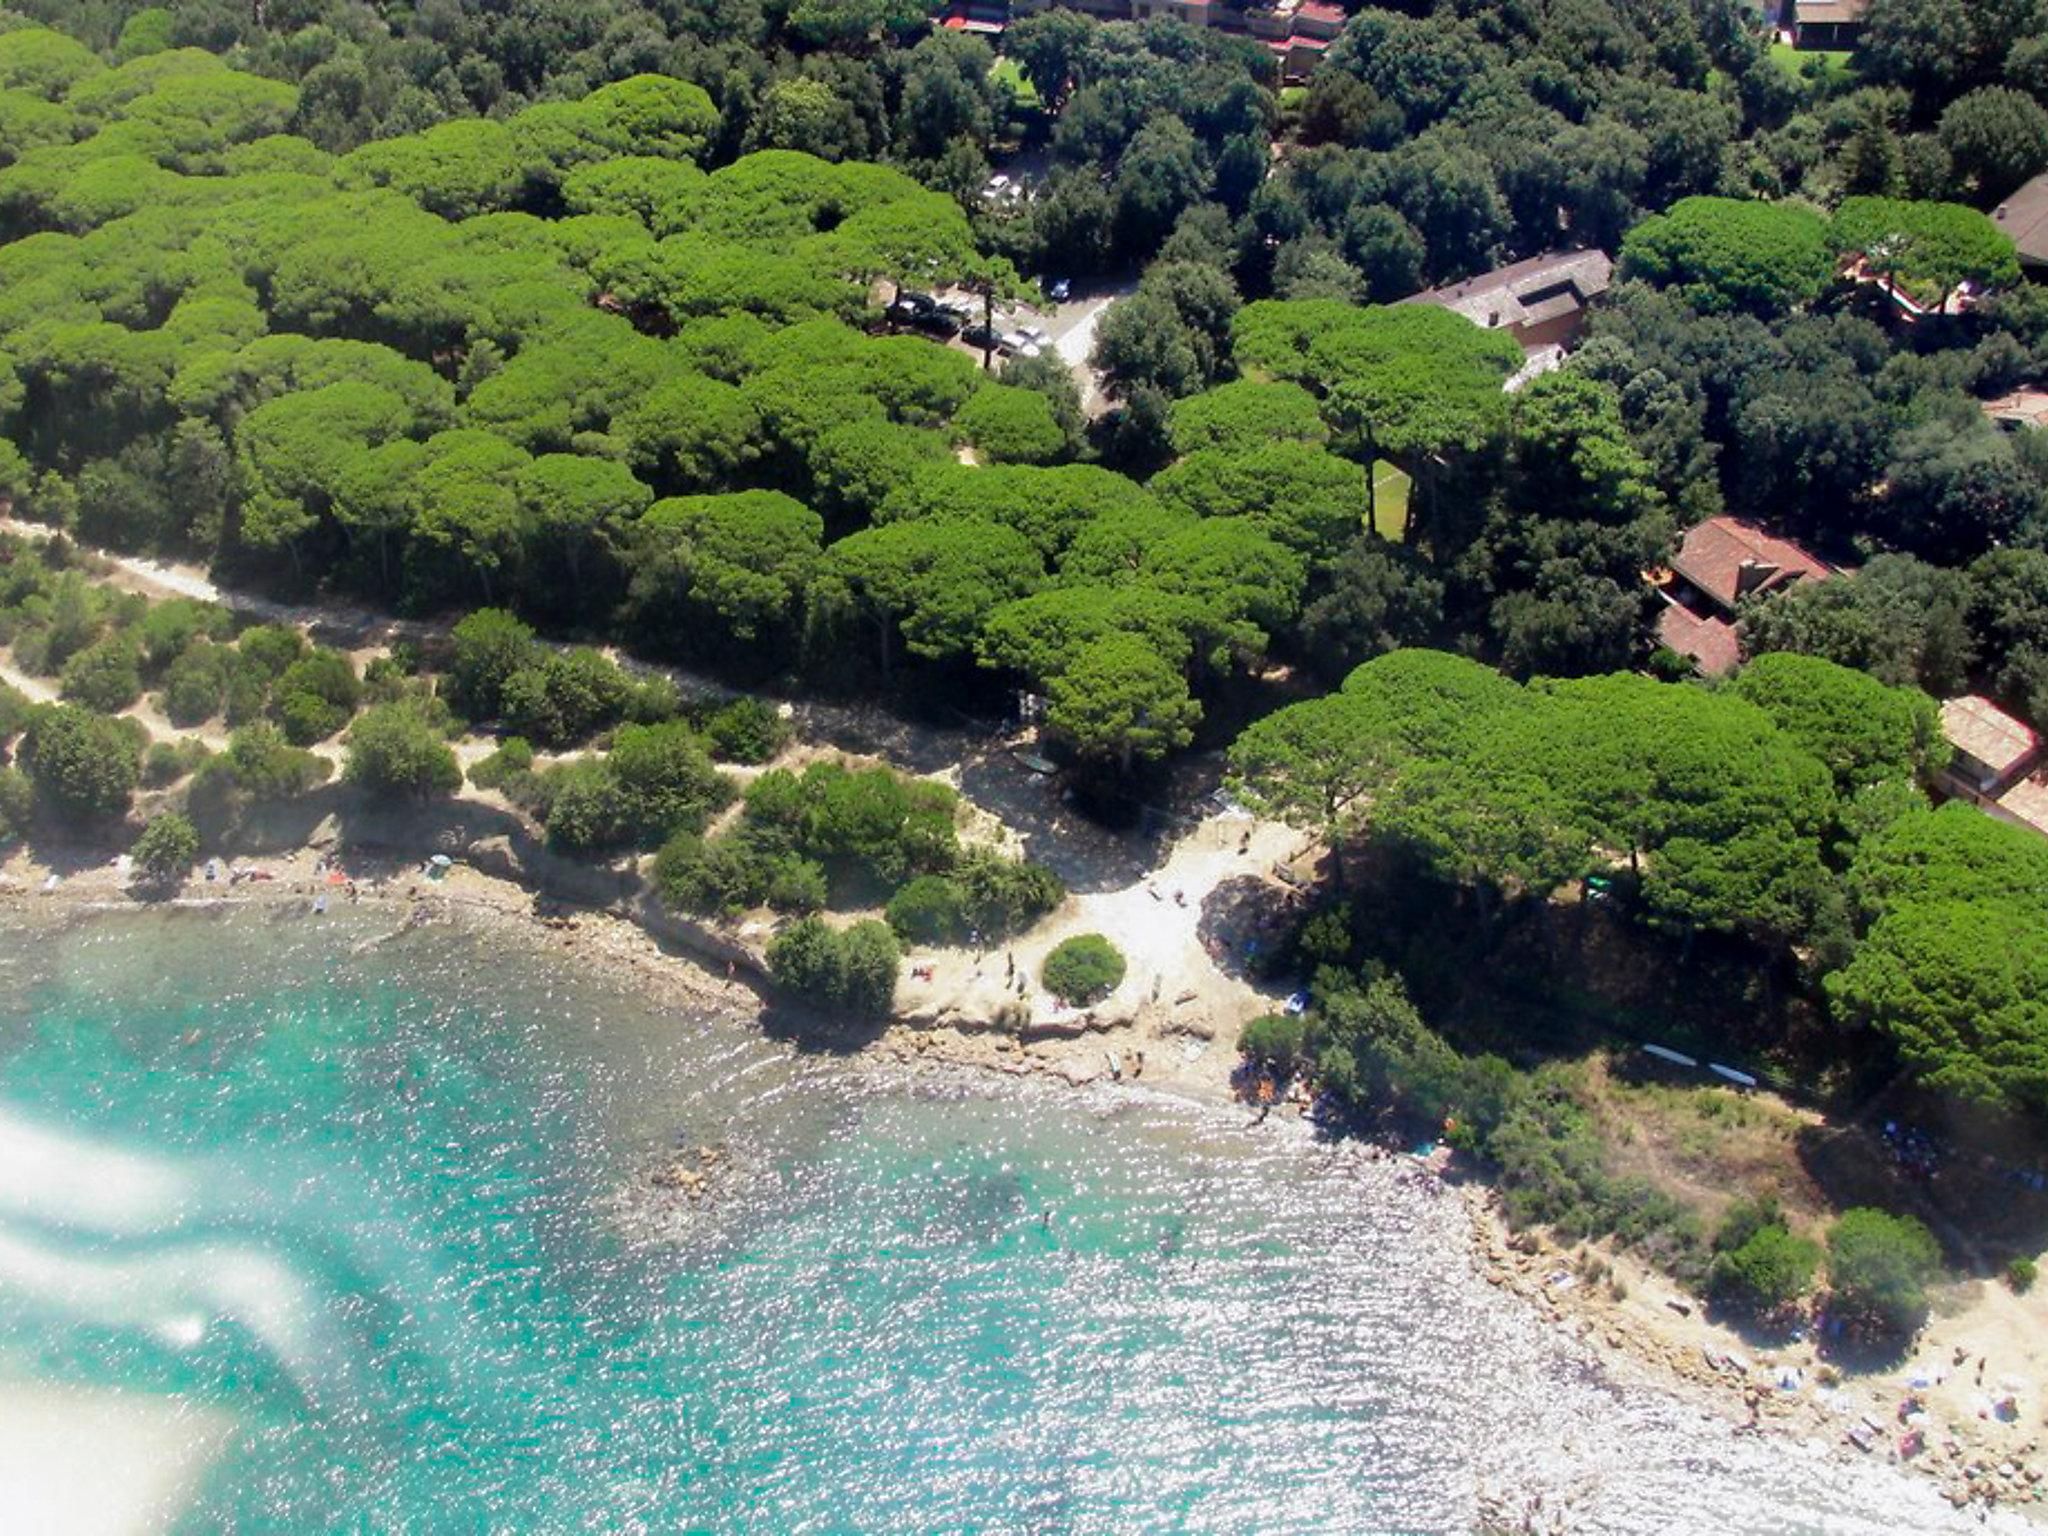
[{"x": 372, "y": 1236}]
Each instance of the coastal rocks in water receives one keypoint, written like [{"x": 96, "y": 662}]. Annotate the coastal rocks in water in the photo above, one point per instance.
[{"x": 689, "y": 1173}]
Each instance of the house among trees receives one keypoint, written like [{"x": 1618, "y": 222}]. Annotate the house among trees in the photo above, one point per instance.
[
  {"x": 1295, "y": 31},
  {"x": 1722, "y": 563},
  {"x": 1541, "y": 302},
  {"x": 1828, "y": 23},
  {"x": 2024, "y": 217},
  {"x": 2022, "y": 410},
  {"x": 1995, "y": 761}
]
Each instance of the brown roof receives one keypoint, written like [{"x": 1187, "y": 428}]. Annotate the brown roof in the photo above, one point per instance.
[
  {"x": 1812, "y": 12},
  {"x": 2024, "y": 216},
  {"x": 1979, "y": 727},
  {"x": 1728, "y": 559},
  {"x": 1528, "y": 292},
  {"x": 2021, "y": 408},
  {"x": 2027, "y": 803},
  {"x": 1709, "y": 642}
]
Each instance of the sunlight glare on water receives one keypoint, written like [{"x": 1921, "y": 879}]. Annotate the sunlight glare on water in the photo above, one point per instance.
[{"x": 372, "y": 1237}]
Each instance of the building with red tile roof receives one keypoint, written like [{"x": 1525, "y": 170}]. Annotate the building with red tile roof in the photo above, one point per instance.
[{"x": 1721, "y": 563}]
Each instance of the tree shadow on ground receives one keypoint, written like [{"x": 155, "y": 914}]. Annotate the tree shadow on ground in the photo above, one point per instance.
[
  {"x": 1245, "y": 925},
  {"x": 1979, "y": 1203},
  {"x": 1088, "y": 856}
]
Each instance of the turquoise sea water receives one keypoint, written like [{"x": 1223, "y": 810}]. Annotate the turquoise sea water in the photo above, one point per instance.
[{"x": 387, "y": 1215}]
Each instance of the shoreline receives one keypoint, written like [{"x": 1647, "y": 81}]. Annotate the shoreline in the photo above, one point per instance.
[{"x": 1623, "y": 1314}]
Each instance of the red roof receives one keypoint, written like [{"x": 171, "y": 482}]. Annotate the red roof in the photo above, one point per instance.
[
  {"x": 1709, "y": 642},
  {"x": 1321, "y": 10},
  {"x": 1728, "y": 560}
]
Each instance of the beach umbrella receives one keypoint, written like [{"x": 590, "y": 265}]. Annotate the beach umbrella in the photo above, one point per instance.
[{"x": 441, "y": 861}]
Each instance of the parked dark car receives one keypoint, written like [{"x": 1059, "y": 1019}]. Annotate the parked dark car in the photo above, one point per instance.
[
  {"x": 981, "y": 337},
  {"x": 911, "y": 308},
  {"x": 940, "y": 322}
]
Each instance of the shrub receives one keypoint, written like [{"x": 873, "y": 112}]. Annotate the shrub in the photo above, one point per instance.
[
  {"x": 867, "y": 825},
  {"x": 85, "y": 766},
  {"x": 172, "y": 627},
  {"x": 196, "y": 684},
  {"x": 167, "y": 847},
  {"x": 1879, "y": 1267},
  {"x": 586, "y": 810},
  {"x": 105, "y": 677},
  {"x": 1769, "y": 1269},
  {"x": 261, "y": 765},
  {"x": 2019, "y": 1274},
  {"x": 746, "y": 731},
  {"x": 668, "y": 782},
  {"x": 1000, "y": 896},
  {"x": 17, "y": 803},
  {"x": 395, "y": 753},
  {"x": 562, "y": 699},
  {"x": 511, "y": 762},
  {"x": 929, "y": 910},
  {"x": 491, "y": 646},
  {"x": 853, "y": 972},
  {"x": 316, "y": 696},
  {"x": 271, "y": 648},
  {"x": 15, "y": 709},
  {"x": 652, "y": 699},
  {"x": 1085, "y": 969},
  {"x": 734, "y": 873},
  {"x": 1276, "y": 1041},
  {"x": 166, "y": 762}
]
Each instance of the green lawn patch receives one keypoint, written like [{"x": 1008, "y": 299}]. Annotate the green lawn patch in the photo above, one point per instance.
[
  {"x": 1007, "y": 74},
  {"x": 1390, "y": 501},
  {"x": 1833, "y": 63}
]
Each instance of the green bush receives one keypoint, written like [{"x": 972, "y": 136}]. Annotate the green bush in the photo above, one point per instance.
[
  {"x": 2020, "y": 1273},
  {"x": 271, "y": 648},
  {"x": 999, "y": 896},
  {"x": 746, "y": 731},
  {"x": 394, "y": 752},
  {"x": 853, "y": 971},
  {"x": 868, "y": 827},
  {"x": 1276, "y": 1041},
  {"x": 167, "y": 848},
  {"x": 1879, "y": 1268},
  {"x": 166, "y": 762},
  {"x": 316, "y": 695},
  {"x": 174, "y": 626},
  {"x": 15, "y": 708},
  {"x": 260, "y": 764},
  {"x": 586, "y": 810},
  {"x": 668, "y": 781},
  {"x": 929, "y": 910},
  {"x": 733, "y": 874},
  {"x": 195, "y": 685},
  {"x": 1085, "y": 969},
  {"x": 105, "y": 677},
  {"x": 1769, "y": 1269},
  {"x": 652, "y": 699},
  {"x": 17, "y": 803},
  {"x": 490, "y": 646},
  {"x": 511, "y": 762},
  {"x": 84, "y": 766},
  {"x": 561, "y": 699}
]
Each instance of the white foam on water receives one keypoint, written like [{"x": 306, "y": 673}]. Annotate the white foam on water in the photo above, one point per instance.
[
  {"x": 79, "y": 1462},
  {"x": 63, "y": 1179},
  {"x": 170, "y": 1293}
]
